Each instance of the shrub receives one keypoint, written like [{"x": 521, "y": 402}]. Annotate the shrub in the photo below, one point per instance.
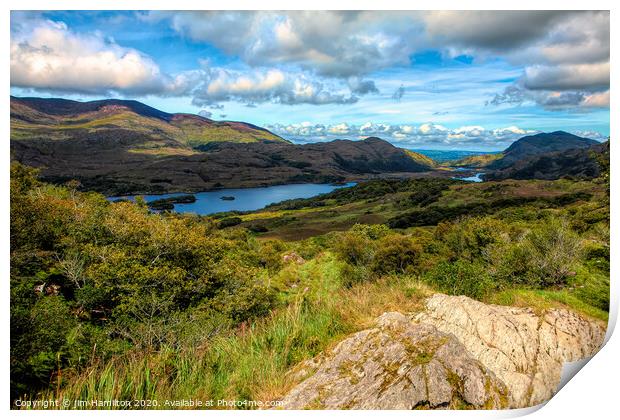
[
  {"x": 228, "y": 222},
  {"x": 396, "y": 254},
  {"x": 355, "y": 274},
  {"x": 354, "y": 248},
  {"x": 553, "y": 250},
  {"x": 461, "y": 278},
  {"x": 469, "y": 238},
  {"x": 371, "y": 231},
  {"x": 545, "y": 256}
]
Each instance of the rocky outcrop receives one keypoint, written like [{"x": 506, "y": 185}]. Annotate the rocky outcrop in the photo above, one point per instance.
[
  {"x": 524, "y": 349},
  {"x": 398, "y": 365},
  {"x": 458, "y": 353}
]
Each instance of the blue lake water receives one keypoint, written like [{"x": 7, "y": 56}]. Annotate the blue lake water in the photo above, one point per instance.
[
  {"x": 246, "y": 199},
  {"x": 476, "y": 177},
  {"x": 473, "y": 178}
]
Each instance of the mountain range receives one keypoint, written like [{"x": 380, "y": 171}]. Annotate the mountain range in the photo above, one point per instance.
[
  {"x": 126, "y": 147},
  {"x": 122, "y": 147}
]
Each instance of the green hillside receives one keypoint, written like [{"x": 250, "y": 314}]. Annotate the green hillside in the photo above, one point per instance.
[{"x": 37, "y": 118}]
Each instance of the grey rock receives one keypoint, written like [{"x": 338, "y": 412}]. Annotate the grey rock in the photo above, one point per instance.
[
  {"x": 458, "y": 353},
  {"x": 398, "y": 365},
  {"x": 525, "y": 350}
]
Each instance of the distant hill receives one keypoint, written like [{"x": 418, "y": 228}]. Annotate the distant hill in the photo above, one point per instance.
[
  {"x": 540, "y": 144},
  {"x": 123, "y": 147},
  {"x": 580, "y": 162},
  {"x": 52, "y": 118},
  {"x": 543, "y": 156}
]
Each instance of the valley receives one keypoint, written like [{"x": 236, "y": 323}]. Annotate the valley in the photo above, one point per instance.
[{"x": 254, "y": 243}]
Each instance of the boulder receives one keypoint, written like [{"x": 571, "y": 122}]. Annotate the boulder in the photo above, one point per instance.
[
  {"x": 457, "y": 353},
  {"x": 524, "y": 349},
  {"x": 398, "y": 365}
]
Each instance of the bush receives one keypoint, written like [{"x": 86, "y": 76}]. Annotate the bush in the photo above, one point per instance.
[
  {"x": 396, "y": 254},
  {"x": 354, "y": 248},
  {"x": 469, "y": 238},
  {"x": 228, "y": 222},
  {"x": 355, "y": 274},
  {"x": 553, "y": 250},
  {"x": 545, "y": 256},
  {"x": 461, "y": 278},
  {"x": 371, "y": 231}
]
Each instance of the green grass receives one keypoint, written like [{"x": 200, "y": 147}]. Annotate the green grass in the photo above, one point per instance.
[{"x": 541, "y": 300}]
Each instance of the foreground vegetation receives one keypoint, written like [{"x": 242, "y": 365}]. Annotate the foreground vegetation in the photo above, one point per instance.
[{"x": 111, "y": 301}]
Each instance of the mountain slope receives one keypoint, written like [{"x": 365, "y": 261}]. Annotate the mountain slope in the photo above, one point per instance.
[
  {"x": 117, "y": 169},
  {"x": 476, "y": 161},
  {"x": 539, "y": 144},
  {"x": 123, "y": 147},
  {"x": 527, "y": 147},
  {"x": 42, "y": 118},
  {"x": 588, "y": 162}
]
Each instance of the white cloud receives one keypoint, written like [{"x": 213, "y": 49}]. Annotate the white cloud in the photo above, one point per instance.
[
  {"x": 331, "y": 43},
  {"x": 47, "y": 55},
  {"x": 597, "y": 100},
  {"x": 467, "y": 31},
  {"x": 325, "y": 57},
  {"x": 257, "y": 86},
  {"x": 409, "y": 135}
]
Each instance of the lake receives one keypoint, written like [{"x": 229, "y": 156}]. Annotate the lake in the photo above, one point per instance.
[
  {"x": 246, "y": 199},
  {"x": 473, "y": 178}
]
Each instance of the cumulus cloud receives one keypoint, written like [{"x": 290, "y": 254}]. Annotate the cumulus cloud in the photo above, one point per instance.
[
  {"x": 492, "y": 30},
  {"x": 588, "y": 76},
  {"x": 551, "y": 100},
  {"x": 331, "y": 43},
  {"x": 205, "y": 113},
  {"x": 408, "y": 135},
  {"x": 596, "y": 100},
  {"x": 362, "y": 87},
  {"x": 565, "y": 54},
  {"x": 252, "y": 87},
  {"x": 567, "y": 67},
  {"x": 324, "y": 57},
  {"x": 47, "y": 55}
]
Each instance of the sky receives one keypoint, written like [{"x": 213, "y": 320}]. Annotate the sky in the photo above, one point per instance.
[{"x": 453, "y": 80}]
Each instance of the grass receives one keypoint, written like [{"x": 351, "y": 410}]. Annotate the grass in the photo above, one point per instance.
[
  {"x": 252, "y": 361},
  {"x": 304, "y": 222},
  {"x": 477, "y": 161},
  {"x": 541, "y": 300},
  {"x": 188, "y": 131}
]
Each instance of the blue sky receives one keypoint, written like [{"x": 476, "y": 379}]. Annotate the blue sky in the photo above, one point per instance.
[{"x": 443, "y": 80}]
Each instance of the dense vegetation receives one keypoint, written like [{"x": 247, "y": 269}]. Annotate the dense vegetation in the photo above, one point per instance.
[{"x": 111, "y": 301}]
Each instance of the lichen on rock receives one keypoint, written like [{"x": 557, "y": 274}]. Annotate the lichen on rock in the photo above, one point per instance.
[
  {"x": 398, "y": 365},
  {"x": 458, "y": 353}
]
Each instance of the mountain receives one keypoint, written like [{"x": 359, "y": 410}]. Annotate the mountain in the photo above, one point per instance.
[
  {"x": 543, "y": 156},
  {"x": 581, "y": 162},
  {"x": 539, "y": 144},
  {"x": 124, "y": 147},
  {"x": 43, "y": 118}
]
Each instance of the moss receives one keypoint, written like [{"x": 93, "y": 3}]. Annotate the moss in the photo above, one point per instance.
[
  {"x": 390, "y": 375},
  {"x": 348, "y": 370}
]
